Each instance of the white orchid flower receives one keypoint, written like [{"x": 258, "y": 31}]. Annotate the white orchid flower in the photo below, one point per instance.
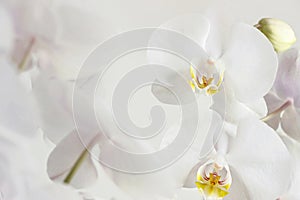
[
  {"x": 238, "y": 169},
  {"x": 146, "y": 183},
  {"x": 242, "y": 166},
  {"x": 284, "y": 100},
  {"x": 241, "y": 62}
]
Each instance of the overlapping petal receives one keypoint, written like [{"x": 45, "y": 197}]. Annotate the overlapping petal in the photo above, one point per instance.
[{"x": 260, "y": 158}]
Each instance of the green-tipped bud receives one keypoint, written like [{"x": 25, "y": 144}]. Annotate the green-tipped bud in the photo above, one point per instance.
[{"x": 280, "y": 34}]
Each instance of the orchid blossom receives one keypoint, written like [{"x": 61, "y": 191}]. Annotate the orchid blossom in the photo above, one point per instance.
[
  {"x": 225, "y": 71},
  {"x": 241, "y": 165}
]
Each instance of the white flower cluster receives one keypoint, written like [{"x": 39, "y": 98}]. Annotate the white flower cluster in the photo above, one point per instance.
[{"x": 245, "y": 80}]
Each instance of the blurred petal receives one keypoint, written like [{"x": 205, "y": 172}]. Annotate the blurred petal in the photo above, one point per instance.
[
  {"x": 145, "y": 186},
  {"x": 268, "y": 162},
  {"x": 53, "y": 191},
  {"x": 221, "y": 22},
  {"x": 251, "y": 63},
  {"x": 273, "y": 103},
  {"x": 7, "y": 35},
  {"x": 82, "y": 24},
  {"x": 194, "y": 26},
  {"x": 64, "y": 156},
  {"x": 16, "y": 106},
  {"x": 53, "y": 99},
  {"x": 290, "y": 122},
  {"x": 287, "y": 81},
  {"x": 171, "y": 178}
]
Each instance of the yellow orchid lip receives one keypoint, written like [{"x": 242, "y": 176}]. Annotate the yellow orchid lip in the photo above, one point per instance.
[
  {"x": 205, "y": 83},
  {"x": 213, "y": 181}
]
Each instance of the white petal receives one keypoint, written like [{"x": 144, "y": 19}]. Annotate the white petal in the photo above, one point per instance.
[
  {"x": 145, "y": 186},
  {"x": 189, "y": 193},
  {"x": 250, "y": 62},
  {"x": 194, "y": 26},
  {"x": 290, "y": 122},
  {"x": 260, "y": 158},
  {"x": 192, "y": 176},
  {"x": 167, "y": 91},
  {"x": 221, "y": 22},
  {"x": 238, "y": 189},
  {"x": 233, "y": 110},
  {"x": 294, "y": 148}
]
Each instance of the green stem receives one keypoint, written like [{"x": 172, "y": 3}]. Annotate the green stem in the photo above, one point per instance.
[
  {"x": 26, "y": 54},
  {"x": 76, "y": 166},
  {"x": 84, "y": 154}
]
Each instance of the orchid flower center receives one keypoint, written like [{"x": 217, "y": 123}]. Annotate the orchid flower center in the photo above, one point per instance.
[
  {"x": 213, "y": 180},
  {"x": 207, "y": 78}
]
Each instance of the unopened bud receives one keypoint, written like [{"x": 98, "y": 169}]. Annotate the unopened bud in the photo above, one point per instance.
[{"x": 280, "y": 34}]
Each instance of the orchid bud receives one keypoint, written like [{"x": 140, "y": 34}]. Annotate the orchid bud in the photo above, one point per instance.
[{"x": 280, "y": 34}]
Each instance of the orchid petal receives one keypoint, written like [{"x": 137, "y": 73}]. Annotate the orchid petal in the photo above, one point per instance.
[
  {"x": 194, "y": 26},
  {"x": 221, "y": 23},
  {"x": 144, "y": 186},
  {"x": 173, "y": 177},
  {"x": 248, "y": 73},
  {"x": 268, "y": 162},
  {"x": 189, "y": 193},
  {"x": 233, "y": 110},
  {"x": 238, "y": 189}
]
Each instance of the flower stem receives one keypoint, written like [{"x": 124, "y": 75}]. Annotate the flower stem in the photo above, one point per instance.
[
  {"x": 76, "y": 166},
  {"x": 26, "y": 54},
  {"x": 277, "y": 111},
  {"x": 80, "y": 160}
]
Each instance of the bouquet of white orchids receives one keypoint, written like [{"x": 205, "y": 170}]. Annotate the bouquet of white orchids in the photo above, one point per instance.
[{"x": 66, "y": 131}]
